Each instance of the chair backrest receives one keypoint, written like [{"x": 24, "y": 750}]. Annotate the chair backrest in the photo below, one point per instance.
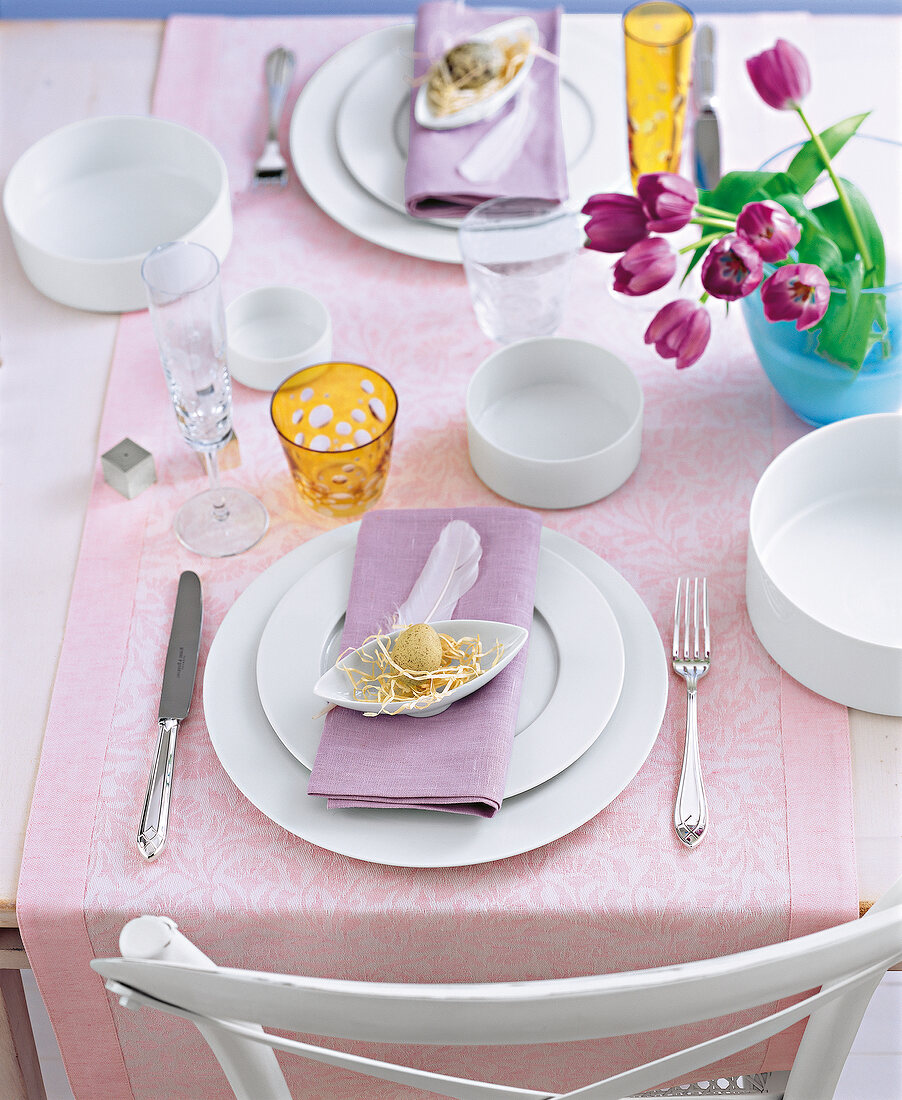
[{"x": 161, "y": 969}]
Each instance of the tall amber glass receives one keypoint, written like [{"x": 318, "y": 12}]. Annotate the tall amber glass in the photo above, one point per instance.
[
  {"x": 658, "y": 43},
  {"x": 336, "y": 423}
]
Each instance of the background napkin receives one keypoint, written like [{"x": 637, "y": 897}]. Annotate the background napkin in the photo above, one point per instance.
[
  {"x": 433, "y": 186},
  {"x": 456, "y": 760}
]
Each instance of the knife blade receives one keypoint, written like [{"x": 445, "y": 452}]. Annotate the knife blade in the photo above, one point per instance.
[
  {"x": 175, "y": 700},
  {"x": 706, "y": 134}
]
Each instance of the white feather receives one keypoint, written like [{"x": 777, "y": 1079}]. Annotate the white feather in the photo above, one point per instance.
[{"x": 450, "y": 571}]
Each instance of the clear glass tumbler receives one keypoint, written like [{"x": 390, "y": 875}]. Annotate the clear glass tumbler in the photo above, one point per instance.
[
  {"x": 517, "y": 255},
  {"x": 185, "y": 300}
]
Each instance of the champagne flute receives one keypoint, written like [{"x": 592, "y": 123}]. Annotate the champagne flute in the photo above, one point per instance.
[{"x": 185, "y": 300}]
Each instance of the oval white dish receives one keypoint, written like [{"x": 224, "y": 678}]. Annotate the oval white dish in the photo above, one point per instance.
[
  {"x": 335, "y": 685},
  {"x": 492, "y": 104}
]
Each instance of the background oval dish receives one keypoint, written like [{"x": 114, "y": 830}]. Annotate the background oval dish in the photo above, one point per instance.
[{"x": 492, "y": 104}]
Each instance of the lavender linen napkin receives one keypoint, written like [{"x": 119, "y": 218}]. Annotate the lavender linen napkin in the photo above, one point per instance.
[
  {"x": 455, "y": 761},
  {"x": 433, "y": 186}
]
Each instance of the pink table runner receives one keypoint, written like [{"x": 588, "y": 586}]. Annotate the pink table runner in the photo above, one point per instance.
[{"x": 619, "y": 892}]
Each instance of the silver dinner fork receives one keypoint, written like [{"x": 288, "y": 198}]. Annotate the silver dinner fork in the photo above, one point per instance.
[
  {"x": 271, "y": 168},
  {"x": 691, "y": 660}
]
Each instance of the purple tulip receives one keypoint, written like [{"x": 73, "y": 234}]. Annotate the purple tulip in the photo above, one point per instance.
[
  {"x": 668, "y": 201},
  {"x": 797, "y": 292},
  {"x": 780, "y": 75},
  {"x": 645, "y": 266},
  {"x": 680, "y": 330},
  {"x": 769, "y": 229},
  {"x": 732, "y": 269},
  {"x": 615, "y": 222}
]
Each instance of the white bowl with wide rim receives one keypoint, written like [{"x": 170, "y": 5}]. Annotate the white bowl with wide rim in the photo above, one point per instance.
[
  {"x": 824, "y": 568},
  {"x": 554, "y": 422},
  {"x": 86, "y": 203}
]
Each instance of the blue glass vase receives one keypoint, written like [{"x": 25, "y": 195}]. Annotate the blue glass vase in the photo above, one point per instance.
[{"x": 818, "y": 391}]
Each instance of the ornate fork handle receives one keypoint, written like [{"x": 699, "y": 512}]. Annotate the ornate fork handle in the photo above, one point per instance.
[
  {"x": 691, "y": 660},
  {"x": 690, "y": 816}
]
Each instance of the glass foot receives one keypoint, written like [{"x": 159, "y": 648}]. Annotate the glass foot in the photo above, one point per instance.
[{"x": 221, "y": 522}]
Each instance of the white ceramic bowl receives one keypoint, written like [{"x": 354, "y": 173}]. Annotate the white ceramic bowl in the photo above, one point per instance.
[
  {"x": 824, "y": 571},
  {"x": 275, "y": 331},
  {"x": 86, "y": 203},
  {"x": 554, "y": 423}
]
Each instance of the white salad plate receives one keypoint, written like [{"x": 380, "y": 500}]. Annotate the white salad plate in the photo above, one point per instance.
[
  {"x": 373, "y": 129},
  {"x": 335, "y": 686},
  {"x": 824, "y": 571},
  {"x": 586, "y": 68},
  {"x": 571, "y": 685},
  {"x": 272, "y": 779},
  {"x": 485, "y": 108}
]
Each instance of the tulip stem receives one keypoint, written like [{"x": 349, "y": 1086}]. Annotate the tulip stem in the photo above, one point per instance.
[
  {"x": 721, "y": 223},
  {"x": 700, "y": 208},
  {"x": 858, "y": 236},
  {"x": 702, "y": 242}
]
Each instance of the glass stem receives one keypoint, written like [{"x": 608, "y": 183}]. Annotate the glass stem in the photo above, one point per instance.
[{"x": 220, "y": 508}]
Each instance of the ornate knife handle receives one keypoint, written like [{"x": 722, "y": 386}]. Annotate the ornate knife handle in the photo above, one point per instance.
[{"x": 155, "y": 815}]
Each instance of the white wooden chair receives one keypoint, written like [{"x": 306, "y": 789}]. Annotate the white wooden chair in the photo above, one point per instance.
[{"x": 161, "y": 969}]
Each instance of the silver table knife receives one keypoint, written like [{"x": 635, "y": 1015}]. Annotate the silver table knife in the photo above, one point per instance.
[
  {"x": 178, "y": 687},
  {"x": 706, "y": 134}
]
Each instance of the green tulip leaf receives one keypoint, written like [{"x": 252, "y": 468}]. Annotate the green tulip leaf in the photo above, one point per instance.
[
  {"x": 808, "y": 164},
  {"x": 735, "y": 189},
  {"x": 833, "y": 219},
  {"x": 817, "y": 247},
  {"x": 850, "y": 326}
]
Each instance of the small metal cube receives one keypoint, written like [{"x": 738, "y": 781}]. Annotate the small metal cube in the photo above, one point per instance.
[{"x": 128, "y": 468}]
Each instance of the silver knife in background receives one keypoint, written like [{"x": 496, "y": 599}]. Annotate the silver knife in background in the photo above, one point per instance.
[
  {"x": 706, "y": 143},
  {"x": 178, "y": 687}
]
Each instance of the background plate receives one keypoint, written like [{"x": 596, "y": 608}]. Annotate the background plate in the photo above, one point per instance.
[
  {"x": 373, "y": 128},
  {"x": 317, "y": 161}
]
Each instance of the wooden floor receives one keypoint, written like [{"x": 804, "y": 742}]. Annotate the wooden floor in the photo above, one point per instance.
[{"x": 873, "y": 1071}]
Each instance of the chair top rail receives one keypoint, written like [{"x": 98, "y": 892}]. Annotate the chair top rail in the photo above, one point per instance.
[
  {"x": 553, "y": 1010},
  {"x": 642, "y": 1077}
]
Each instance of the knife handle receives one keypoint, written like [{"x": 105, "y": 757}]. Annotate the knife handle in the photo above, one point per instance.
[
  {"x": 704, "y": 66},
  {"x": 155, "y": 816}
]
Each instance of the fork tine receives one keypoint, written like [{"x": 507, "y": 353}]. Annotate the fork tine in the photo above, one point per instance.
[
  {"x": 676, "y": 620},
  {"x": 686, "y": 650},
  {"x": 695, "y": 630},
  {"x": 707, "y": 653}
]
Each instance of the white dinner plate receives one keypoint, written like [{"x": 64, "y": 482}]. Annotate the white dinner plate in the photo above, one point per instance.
[
  {"x": 572, "y": 681},
  {"x": 373, "y": 126},
  {"x": 275, "y": 782},
  {"x": 317, "y": 161}
]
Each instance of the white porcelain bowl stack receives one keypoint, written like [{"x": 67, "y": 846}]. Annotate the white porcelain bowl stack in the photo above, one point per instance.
[
  {"x": 275, "y": 331},
  {"x": 553, "y": 422},
  {"x": 86, "y": 203},
  {"x": 824, "y": 573}
]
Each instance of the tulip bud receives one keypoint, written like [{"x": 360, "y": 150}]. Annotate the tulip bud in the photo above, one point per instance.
[
  {"x": 770, "y": 230},
  {"x": 732, "y": 269},
  {"x": 797, "y": 292},
  {"x": 615, "y": 222},
  {"x": 680, "y": 330},
  {"x": 780, "y": 75},
  {"x": 645, "y": 267},
  {"x": 668, "y": 200}
]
